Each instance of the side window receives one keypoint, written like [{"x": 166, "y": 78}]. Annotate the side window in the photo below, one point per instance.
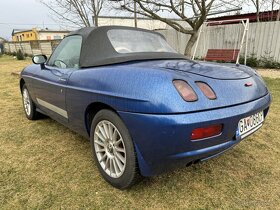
[{"x": 67, "y": 53}]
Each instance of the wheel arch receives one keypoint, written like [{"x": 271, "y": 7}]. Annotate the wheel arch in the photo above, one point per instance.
[
  {"x": 21, "y": 83},
  {"x": 91, "y": 110}
]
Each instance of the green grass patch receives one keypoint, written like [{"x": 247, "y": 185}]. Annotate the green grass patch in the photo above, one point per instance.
[{"x": 44, "y": 165}]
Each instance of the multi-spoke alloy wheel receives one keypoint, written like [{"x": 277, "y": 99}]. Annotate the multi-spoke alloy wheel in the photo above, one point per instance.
[
  {"x": 113, "y": 150},
  {"x": 26, "y": 101},
  {"x": 110, "y": 148},
  {"x": 28, "y": 105}
]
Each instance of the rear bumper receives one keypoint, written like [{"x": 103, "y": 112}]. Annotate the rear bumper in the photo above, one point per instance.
[{"x": 162, "y": 142}]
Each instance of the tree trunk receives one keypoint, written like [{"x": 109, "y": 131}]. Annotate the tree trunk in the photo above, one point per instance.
[
  {"x": 190, "y": 44},
  {"x": 272, "y": 8},
  {"x": 258, "y": 10},
  {"x": 258, "y": 16},
  {"x": 96, "y": 20},
  {"x": 278, "y": 15},
  {"x": 95, "y": 10}
]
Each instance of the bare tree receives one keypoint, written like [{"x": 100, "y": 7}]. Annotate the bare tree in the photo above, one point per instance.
[
  {"x": 96, "y": 7},
  {"x": 82, "y": 13},
  {"x": 256, "y": 4},
  {"x": 191, "y": 13},
  {"x": 264, "y": 5}
]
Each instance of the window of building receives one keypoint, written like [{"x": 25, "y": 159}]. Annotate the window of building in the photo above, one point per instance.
[{"x": 56, "y": 37}]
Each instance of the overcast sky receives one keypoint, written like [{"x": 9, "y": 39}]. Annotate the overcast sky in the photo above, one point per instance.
[
  {"x": 23, "y": 14},
  {"x": 27, "y": 14}
]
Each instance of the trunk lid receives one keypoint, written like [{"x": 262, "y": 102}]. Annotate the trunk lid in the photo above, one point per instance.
[
  {"x": 211, "y": 70},
  {"x": 233, "y": 85}
]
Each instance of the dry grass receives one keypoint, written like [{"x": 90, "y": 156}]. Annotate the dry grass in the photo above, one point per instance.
[
  {"x": 43, "y": 165},
  {"x": 272, "y": 73}
]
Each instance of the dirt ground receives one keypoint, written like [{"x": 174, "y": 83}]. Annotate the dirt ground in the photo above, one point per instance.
[{"x": 269, "y": 73}]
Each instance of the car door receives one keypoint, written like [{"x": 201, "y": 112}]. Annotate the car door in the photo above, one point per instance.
[{"x": 52, "y": 80}]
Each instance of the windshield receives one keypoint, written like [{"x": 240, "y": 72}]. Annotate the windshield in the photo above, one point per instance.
[{"x": 131, "y": 41}]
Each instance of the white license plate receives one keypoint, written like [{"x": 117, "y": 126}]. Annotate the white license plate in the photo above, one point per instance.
[{"x": 249, "y": 125}]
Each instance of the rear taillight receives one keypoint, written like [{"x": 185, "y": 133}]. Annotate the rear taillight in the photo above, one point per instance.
[
  {"x": 206, "y": 90},
  {"x": 206, "y": 132},
  {"x": 185, "y": 90}
]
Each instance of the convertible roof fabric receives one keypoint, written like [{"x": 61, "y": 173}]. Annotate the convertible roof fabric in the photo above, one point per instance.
[{"x": 97, "y": 49}]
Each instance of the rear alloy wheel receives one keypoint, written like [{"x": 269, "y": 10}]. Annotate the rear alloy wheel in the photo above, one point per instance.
[
  {"x": 113, "y": 150},
  {"x": 28, "y": 105},
  {"x": 109, "y": 148}
]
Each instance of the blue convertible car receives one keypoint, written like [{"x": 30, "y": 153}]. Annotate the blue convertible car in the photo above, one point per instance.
[{"x": 145, "y": 108}]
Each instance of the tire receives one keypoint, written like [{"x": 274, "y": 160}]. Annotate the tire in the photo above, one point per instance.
[
  {"x": 113, "y": 150},
  {"x": 28, "y": 105}
]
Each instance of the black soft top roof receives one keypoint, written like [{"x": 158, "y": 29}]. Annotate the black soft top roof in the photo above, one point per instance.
[{"x": 97, "y": 49}]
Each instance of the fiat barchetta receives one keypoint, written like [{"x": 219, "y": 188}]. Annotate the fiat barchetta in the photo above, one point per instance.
[{"x": 145, "y": 108}]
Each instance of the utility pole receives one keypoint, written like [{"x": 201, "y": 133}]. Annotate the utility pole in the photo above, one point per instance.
[{"x": 135, "y": 15}]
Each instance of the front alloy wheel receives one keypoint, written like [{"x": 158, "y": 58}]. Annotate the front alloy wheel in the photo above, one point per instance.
[
  {"x": 26, "y": 101},
  {"x": 28, "y": 105},
  {"x": 113, "y": 150}
]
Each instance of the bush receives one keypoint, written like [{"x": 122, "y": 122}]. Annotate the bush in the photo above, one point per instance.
[
  {"x": 252, "y": 61},
  {"x": 270, "y": 63},
  {"x": 27, "y": 55},
  {"x": 263, "y": 62},
  {"x": 19, "y": 55}
]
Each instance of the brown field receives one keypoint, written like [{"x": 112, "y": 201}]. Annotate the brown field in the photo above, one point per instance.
[{"x": 44, "y": 165}]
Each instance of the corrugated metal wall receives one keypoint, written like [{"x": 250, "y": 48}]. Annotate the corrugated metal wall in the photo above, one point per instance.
[
  {"x": 263, "y": 41},
  {"x": 33, "y": 47}
]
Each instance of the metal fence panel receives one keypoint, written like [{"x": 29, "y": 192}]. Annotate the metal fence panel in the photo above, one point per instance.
[{"x": 263, "y": 39}]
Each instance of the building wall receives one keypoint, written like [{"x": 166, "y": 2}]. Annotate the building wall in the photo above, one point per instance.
[
  {"x": 51, "y": 35},
  {"x": 25, "y": 35},
  {"x": 33, "y": 35},
  {"x": 141, "y": 23},
  {"x": 147, "y": 24}
]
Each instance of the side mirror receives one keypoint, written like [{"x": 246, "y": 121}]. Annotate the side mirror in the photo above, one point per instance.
[{"x": 40, "y": 59}]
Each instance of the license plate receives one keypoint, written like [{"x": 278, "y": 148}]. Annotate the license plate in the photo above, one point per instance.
[{"x": 249, "y": 125}]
